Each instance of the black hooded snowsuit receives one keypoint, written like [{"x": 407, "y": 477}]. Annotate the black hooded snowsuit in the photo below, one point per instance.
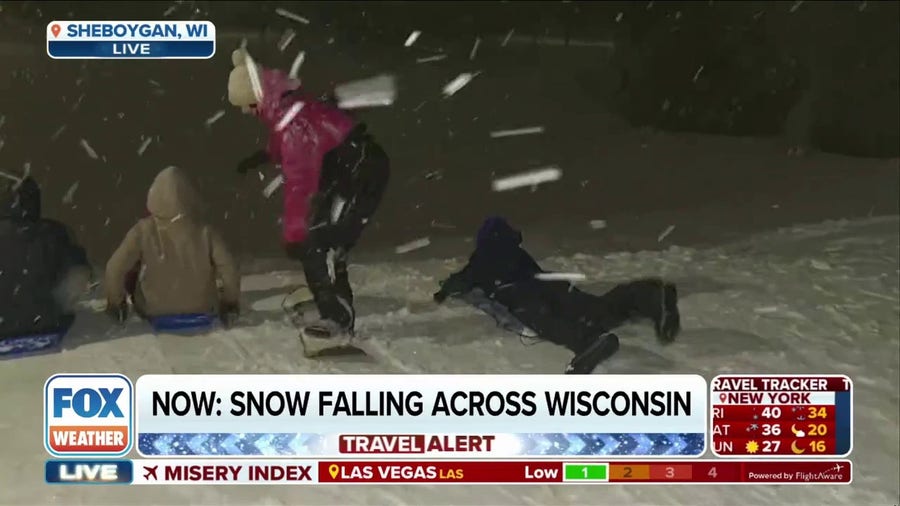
[
  {"x": 36, "y": 255},
  {"x": 555, "y": 310}
]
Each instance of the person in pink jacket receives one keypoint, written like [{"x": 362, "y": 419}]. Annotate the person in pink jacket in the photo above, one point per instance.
[{"x": 334, "y": 177}]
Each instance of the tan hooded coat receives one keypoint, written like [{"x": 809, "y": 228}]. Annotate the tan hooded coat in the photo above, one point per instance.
[{"x": 181, "y": 258}]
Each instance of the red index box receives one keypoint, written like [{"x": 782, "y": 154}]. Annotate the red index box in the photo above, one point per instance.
[
  {"x": 471, "y": 471},
  {"x": 766, "y": 416}
]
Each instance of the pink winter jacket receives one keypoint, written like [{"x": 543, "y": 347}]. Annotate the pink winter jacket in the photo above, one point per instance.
[{"x": 300, "y": 146}]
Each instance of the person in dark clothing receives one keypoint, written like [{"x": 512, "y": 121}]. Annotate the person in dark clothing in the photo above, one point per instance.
[
  {"x": 501, "y": 275},
  {"x": 42, "y": 269},
  {"x": 354, "y": 178}
]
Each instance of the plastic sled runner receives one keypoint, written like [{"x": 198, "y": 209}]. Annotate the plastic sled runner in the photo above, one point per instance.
[
  {"x": 24, "y": 346},
  {"x": 187, "y": 324}
]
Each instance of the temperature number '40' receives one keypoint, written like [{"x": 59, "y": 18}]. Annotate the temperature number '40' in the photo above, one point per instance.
[{"x": 771, "y": 412}]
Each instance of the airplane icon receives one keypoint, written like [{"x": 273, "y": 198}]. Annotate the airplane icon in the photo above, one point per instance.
[
  {"x": 150, "y": 471},
  {"x": 837, "y": 467}
]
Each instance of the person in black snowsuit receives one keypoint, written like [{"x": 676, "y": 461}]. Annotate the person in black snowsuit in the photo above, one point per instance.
[
  {"x": 42, "y": 269},
  {"x": 501, "y": 278}
]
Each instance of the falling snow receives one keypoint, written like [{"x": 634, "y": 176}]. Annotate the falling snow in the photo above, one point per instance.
[
  {"x": 215, "y": 117},
  {"x": 290, "y": 15},
  {"x": 144, "y": 145},
  {"x": 413, "y": 245},
  {"x": 474, "y": 50},
  {"x": 531, "y": 178},
  {"x": 286, "y": 39},
  {"x": 665, "y": 233},
  {"x": 289, "y": 116},
  {"x": 69, "y": 197},
  {"x": 296, "y": 64},
  {"x": 426, "y": 59},
  {"x": 273, "y": 185},
  {"x": 412, "y": 38},
  {"x": 518, "y": 131},
  {"x": 88, "y": 149},
  {"x": 458, "y": 83},
  {"x": 371, "y": 92},
  {"x": 560, "y": 276}
]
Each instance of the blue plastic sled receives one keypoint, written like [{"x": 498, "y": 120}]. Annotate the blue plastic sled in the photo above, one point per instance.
[
  {"x": 185, "y": 324},
  {"x": 24, "y": 346}
]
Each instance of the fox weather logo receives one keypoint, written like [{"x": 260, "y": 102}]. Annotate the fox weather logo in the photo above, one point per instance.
[{"x": 88, "y": 415}]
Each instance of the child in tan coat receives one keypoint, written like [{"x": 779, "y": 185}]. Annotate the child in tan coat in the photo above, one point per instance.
[{"x": 181, "y": 259}]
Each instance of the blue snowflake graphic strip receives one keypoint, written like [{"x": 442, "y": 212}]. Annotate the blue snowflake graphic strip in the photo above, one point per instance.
[{"x": 309, "y": 445}]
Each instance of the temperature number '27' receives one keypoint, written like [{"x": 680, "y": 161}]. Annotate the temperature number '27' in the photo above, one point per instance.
[{"x": 771, "y": 446}]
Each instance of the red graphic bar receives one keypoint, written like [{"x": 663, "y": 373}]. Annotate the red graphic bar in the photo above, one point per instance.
[
  {"x": 763, "y": 446},
  {"x": 792, "y": 383},
  {"x": 775, "y": 412},
  {"x": 441, "y": 472},
  {"x": 769, "y": 429}
]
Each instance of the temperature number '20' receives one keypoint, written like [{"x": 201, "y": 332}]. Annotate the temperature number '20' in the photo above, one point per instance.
[{"x": 818, "y": 429}]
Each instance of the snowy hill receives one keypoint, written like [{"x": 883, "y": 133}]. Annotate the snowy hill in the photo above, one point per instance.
[{"x": 810, "y": 299}]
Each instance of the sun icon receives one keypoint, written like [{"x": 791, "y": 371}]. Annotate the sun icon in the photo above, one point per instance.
[{"x": 752, "y": 447}]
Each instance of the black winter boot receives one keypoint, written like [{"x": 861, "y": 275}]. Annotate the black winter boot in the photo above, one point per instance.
[{"x": 600, "y": 349}]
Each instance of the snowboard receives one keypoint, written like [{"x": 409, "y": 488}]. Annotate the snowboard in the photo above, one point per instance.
[
  {"x": 336, "y": 347},
  {"x": 299, "y": 304}
]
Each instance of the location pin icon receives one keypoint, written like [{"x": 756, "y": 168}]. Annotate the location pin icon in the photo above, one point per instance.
[
  {"x": 333, "y": 470},
  {"x": 54, "y": 29}
]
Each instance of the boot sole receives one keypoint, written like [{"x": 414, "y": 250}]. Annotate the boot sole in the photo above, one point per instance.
[{"x": 318, "y": 346}]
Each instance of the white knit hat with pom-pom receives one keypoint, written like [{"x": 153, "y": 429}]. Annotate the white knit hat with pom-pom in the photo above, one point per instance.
[{"x": 243, "y": 82}]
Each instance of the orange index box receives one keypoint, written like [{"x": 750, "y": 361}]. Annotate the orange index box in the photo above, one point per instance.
[{"x": 88, "y": 415}]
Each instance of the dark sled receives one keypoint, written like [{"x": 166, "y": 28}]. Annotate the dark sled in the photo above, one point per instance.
[{"x": 27, "y": 346}]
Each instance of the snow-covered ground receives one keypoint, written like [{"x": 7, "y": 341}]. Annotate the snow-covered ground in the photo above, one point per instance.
[{"x": 809, "y": 299}]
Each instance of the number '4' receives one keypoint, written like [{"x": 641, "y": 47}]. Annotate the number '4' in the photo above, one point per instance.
[{"x": 712, "y": 472}]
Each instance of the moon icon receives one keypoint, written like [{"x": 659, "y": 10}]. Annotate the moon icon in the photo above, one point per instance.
[
  {"x": 798, "y": 433},
  {"x": 796, "y": 450}
]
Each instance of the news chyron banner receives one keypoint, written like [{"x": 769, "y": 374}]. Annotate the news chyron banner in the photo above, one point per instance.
[
  {"x": 427, "y": 416},
  {"x": 82, "y": 40}
]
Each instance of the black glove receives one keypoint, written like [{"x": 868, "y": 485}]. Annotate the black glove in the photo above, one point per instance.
[
  {"x": 253, "y": 161},
  {"x": 228, "y": 314},
  {"x": 117, "y": 312}
]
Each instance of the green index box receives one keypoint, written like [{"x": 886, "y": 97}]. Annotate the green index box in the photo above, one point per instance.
[{"x": 585, "y": 471}]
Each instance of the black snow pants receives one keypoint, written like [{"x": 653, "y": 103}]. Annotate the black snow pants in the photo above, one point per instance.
[
  {"x": 569, "y": 317},
  {"x": 353, "y": 180}
]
